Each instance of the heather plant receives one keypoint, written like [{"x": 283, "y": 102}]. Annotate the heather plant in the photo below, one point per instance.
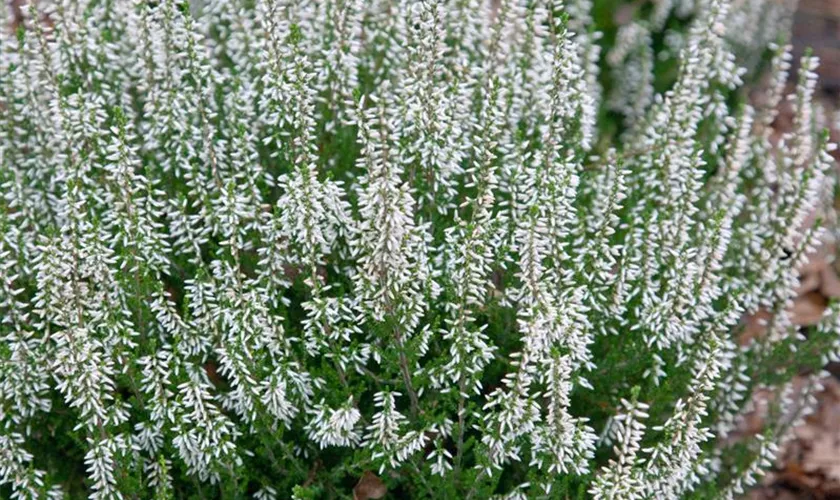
[{"x": 267, "y": 248}]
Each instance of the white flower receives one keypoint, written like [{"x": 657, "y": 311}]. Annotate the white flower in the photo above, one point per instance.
[{"x": 334, "y": 427}]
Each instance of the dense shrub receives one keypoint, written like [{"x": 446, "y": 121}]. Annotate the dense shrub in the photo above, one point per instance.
[{"x": 269, "y": 248}]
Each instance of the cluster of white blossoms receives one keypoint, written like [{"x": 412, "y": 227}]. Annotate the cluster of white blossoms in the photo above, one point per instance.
[{"x": 260, "y": 248}]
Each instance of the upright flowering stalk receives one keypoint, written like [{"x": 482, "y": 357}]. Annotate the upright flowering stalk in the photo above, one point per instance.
[
  {"x": 600, "y": 254},
  {"x": 16, "y": 470},
  {"x": 24, "y": 385},
  {"x": 631, "y": 61},
  {"x": 550, "y": 311},
  {"x": 432, "y": 108},
  {"x": 621, "y": 477},
  {"x": 339, "y": 71},
  {"x": 313, "y": 213},
  {"x": 471, "y": 248},
  {"x": 671, "y": 467},
  {"x": 673, "y": 128},
  {"x": 394, "y": 275},
  {"x": 204, "y": 437}
]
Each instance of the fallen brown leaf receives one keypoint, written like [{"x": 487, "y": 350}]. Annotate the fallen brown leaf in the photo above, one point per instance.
[
  {"x": 808, "y": 309},
  {"x": 809, "y": 282},
  {"x": 212, "y": 370},
  {"x": 818, "y": 259},
  {"x": 823, "y": 458},
  {"x": 829, "y": 282},
  {"x": 771, "y": 493},
  {"x": 369, "y": 486},
  {"x": 794, "y": 473}
]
